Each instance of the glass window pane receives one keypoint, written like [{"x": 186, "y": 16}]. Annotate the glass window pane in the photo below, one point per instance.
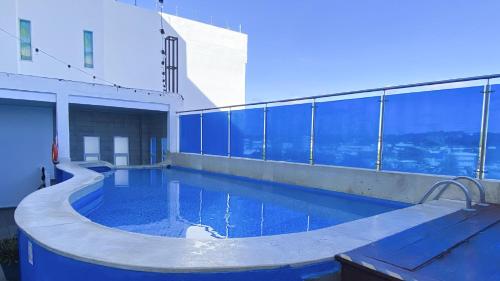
[
  {"x": 88, "y": 47},
  {"x": 190, "y": 133},
  {"x": 215, "y": 133},
  {"x": 434, "y": 132},
  {"x": 346, "y": 132},
  {"x": 91, "y": 145},
  {"x": 247, "y": 133},
  {"x": 492, "y": 169},
  {"x": 121, "y": 145},
  {"x": 25, "y": 39},
  {"x": 288, "y": 133}
]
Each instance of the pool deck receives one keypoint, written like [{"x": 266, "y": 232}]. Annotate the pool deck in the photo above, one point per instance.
[
  {"x": 49, "y": 220},
  {"x": 460, "y": 246}
]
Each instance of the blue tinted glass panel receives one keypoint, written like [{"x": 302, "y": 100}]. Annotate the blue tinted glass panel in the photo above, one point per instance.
[
  {"x": 190, "y": 133},
  {"x": 247, "y": 133},
  {"x": 492, "y": 168},
  {"x": 289, "y": 133},
  {"x": 88, "y": 49},
  {"x": 25, "y": 39},
  {"x": 435, "y": 132},
  {"x": 215, "y": 130},
  {"x": 346, "y": 132}
]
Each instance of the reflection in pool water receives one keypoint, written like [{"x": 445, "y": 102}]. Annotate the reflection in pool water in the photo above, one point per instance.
[{"x": 189, "y": 204}]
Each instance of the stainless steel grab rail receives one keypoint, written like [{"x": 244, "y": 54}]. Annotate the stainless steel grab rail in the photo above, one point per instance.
[
  {"x": 468, "y": 200},
  {"x": 478, "y": 184}
]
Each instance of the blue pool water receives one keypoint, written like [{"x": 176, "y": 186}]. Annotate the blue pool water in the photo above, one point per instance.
[{"x": 190, "y": 204}]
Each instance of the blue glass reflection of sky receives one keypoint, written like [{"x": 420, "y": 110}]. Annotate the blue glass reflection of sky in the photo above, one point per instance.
[
  {"x": 190, "y": 133},
  {"x": 215, "y": 133},
  {"x": 346, "y": 132},
  {"x": 435, "y": 132},
  {"x": 450, "y": 110},
  {"x": 288, "y": 133},
  {"x": 247, "y": 133},
  {"x": 181, "y": 203}
]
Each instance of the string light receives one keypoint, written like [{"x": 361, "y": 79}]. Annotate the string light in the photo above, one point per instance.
[
  {"x": 91, "y": 75},
  {"x": 39, "y": 50},
  {"x": 69, "y": 66}
]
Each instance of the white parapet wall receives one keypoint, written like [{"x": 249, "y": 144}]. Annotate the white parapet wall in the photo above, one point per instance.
[{"x": 398, "y": 186}]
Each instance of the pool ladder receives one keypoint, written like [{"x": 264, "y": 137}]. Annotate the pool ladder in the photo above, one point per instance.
[{"x": 444, "y": 184}]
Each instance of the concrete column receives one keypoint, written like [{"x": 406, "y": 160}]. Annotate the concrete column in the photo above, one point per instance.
[
  {"x": 62, "y": 125},
  {"x": 173, "y": 131}
]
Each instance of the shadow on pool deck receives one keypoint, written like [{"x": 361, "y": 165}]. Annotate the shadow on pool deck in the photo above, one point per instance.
[{"x": 8, "y": 226}]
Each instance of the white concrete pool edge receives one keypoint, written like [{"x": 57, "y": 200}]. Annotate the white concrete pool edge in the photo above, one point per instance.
[{"x": 49, "y": 220}]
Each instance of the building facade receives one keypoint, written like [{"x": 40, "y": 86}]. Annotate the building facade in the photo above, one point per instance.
[{"x": 103, "y": 78}]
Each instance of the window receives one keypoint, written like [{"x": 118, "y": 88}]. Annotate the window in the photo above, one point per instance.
[
  {"x": 91, "y": 148},
  {"x": 25, "y": 39},
  {"x": 121, "y": 151},
  {"x": 88, "y": 49}
]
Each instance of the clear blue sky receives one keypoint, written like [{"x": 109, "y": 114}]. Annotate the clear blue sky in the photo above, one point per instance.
[{"x": 307, "y": 47}]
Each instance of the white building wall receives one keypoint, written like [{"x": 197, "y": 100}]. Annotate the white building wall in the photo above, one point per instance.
[
  {"x": 215, "y": 61},
  {"x": 8, "y": 46},
  {"x": 26, "y": 138},
  {"x": 127, "y": 48},
  {"x": 133, "y": 46},
  {"x": 57, "y": 27}
]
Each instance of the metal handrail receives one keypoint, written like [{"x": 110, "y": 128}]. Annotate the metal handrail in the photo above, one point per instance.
[
  {"x": 479, "y": 185},
  {"x": 468, "y": 200},
  {"x": 431, "y": 83}
]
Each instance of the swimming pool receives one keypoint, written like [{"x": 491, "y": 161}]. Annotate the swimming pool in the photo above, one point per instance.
[
  {"x": 197, "y": 205},
  {"x": 120, "y": 227}
]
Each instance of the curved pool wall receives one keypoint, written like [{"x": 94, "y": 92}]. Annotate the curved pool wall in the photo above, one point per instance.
[
  {"x": 57, "y": 243},
  {"x": 42, "y": 262},
  {"x": 50, "y": 266}
]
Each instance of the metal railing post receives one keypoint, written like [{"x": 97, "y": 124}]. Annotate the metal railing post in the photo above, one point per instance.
[
  {"x": 264, "y": 141},
  {"x": 311, "y": 145},
  {"x": 480, "y": 171},
  {"x": 229, "y": 133},
  {"x": 201, "y": 133},
  {"x": 380, "y": 141}
]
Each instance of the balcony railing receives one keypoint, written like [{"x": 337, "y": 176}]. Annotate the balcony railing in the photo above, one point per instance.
[{"x": 439, "y": 127}]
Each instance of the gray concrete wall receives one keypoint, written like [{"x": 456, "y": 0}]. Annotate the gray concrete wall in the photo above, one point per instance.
[
  {"x": 106, "y": 123},
  {"x": 405, "y": 187}
]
